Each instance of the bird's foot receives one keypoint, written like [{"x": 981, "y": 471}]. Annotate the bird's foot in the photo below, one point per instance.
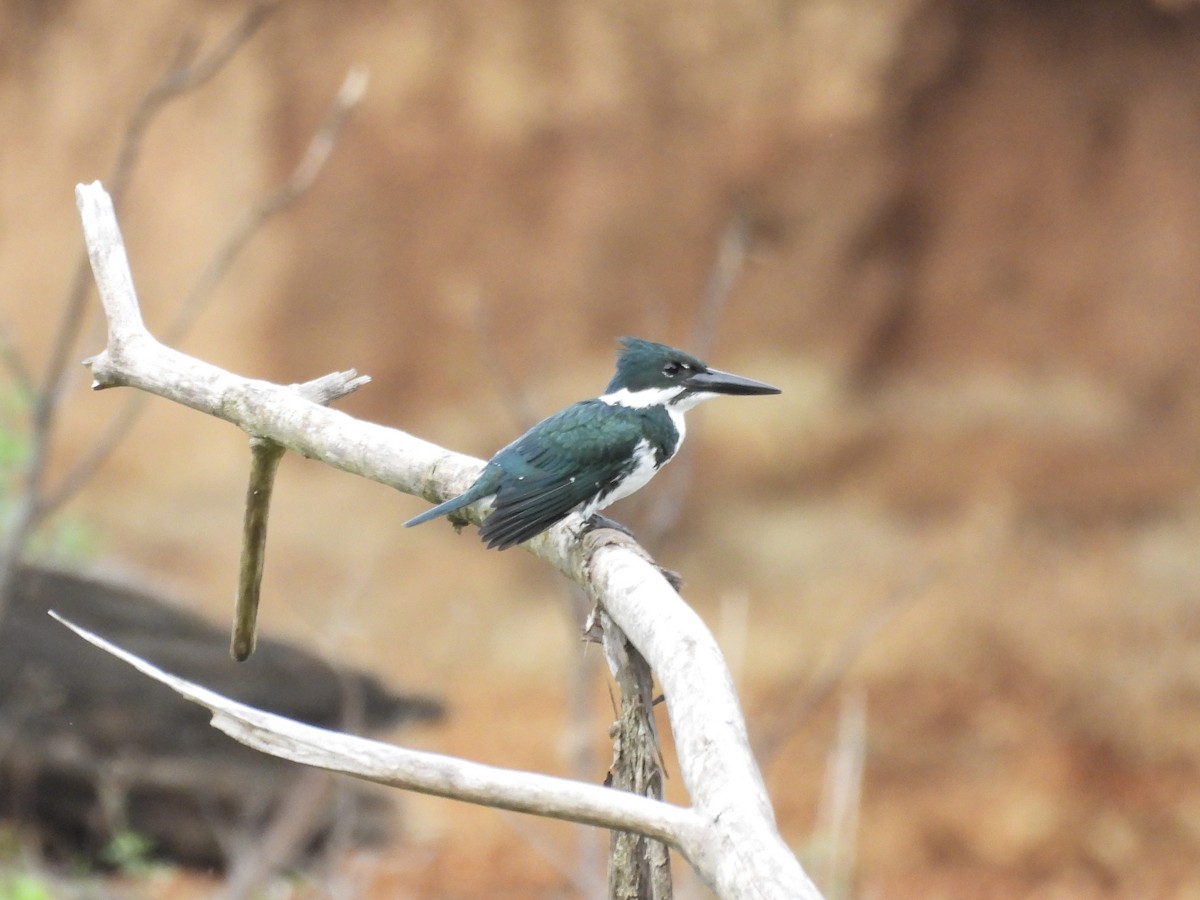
[{"x": 595, "y": 520}]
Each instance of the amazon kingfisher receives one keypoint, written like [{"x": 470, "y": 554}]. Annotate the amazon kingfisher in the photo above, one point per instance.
[{"x": 595, "y": 452}]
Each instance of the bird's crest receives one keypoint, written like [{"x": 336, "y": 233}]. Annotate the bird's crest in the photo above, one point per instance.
[{"x": 643, "y": 364}]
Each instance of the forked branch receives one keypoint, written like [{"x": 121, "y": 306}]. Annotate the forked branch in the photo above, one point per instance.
[{"x": 728, "y": 834}]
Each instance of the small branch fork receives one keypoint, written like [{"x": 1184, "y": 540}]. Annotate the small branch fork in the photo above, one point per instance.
[
  {"x": 728, "y": 834},
  {"x": 188, "y": 70}
]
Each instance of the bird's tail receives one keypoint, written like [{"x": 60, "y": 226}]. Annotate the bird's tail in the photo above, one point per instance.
[{"x": 480, "y": 489}]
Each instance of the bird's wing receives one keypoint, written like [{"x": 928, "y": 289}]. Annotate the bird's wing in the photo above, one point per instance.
[{"x": 560, "y": 464}]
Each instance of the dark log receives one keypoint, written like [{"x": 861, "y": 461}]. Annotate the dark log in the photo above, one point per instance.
[{"x": 90, "y": 750}]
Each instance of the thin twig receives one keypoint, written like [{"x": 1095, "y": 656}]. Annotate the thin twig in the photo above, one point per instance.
[
  {"x": 265, "y": 456},
  {"x": 732, "y": 248},
  {"x": 201, "y": 292},
  {"x": 14, "y": 361},
  {"x": 810, "y": 695},
  {"x": 317, "y": 153},
  {"x": 500, "y": 375},
  {"x": 280, "y": 841},
  {"x": 568, "y": 870},
  {"x": 33, "y": 505},
  {"x": 583, "y": 760},
  {"x": 841, "y": 797},
  {"x": 293, "y": 824},
  {"x": 184, "y": 73}
]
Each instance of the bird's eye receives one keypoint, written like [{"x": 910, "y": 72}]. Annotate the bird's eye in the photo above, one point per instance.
[{"x": 671, "y": 369}]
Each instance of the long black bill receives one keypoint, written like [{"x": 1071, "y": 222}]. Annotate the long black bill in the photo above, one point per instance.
[{"x": 714, "y": 381}]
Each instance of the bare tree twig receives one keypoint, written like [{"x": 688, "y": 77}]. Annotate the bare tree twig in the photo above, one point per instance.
[
  {"x": 516, "y": 397},
  {"x": 293, "y": 188},
  {"x": 841, "y": 797},
  {"x": 265, "y": 456},
  {"x": 14, "y": 361},
  {"x": 29, "y": 507},
  {"x": 182, "y": 75},
  {"x": 567, "y": 869},
  {"x": 732, "y": 248},
  {"x": 728, "y": 835},
  {"x": 185, "y": 73},
  {"x": 292, "y": 825},
  {"x": 809, "y": 696},
  {"x": 301, "y": 179},
  {"x": 32, "y": 506},
  {"x": 583, "y": 759}
]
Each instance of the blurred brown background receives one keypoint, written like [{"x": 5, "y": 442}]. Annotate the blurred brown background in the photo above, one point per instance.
[{"x": 970, "y": 267}]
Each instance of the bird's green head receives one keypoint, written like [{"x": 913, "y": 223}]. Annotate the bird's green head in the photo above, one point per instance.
[{"x": 650, "y": 373}]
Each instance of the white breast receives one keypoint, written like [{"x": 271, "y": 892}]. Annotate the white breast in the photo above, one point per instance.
[
  {"x": 643, "y": 454},
  {"x": 643, "y": 470}
]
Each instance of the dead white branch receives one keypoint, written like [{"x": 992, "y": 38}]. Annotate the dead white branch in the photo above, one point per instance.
[
  {"x": 429, "y": 773},
  {"x": 728, "y": 834}
]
